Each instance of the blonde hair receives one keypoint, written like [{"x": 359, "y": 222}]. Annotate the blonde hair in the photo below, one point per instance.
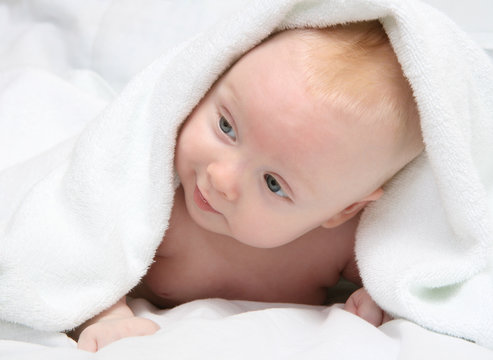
[{"x": 354, "y": 67}]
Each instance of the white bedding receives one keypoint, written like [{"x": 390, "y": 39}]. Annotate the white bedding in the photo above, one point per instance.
[
  {"x": 78, "y": 42},
  {"x": 220, "y": 329}
]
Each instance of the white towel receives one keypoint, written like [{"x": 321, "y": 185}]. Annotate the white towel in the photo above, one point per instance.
[{"x": 83, "y": 229}]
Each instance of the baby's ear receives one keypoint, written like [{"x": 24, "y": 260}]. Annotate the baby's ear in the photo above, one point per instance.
[{"x": 352, "y": 210}]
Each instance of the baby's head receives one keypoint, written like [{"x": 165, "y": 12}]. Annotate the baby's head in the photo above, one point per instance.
[
  {"x": 300, "y": 132},
  {"x": 354, "y": 69}
]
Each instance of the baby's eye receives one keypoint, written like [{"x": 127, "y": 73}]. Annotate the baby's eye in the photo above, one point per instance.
[
  {"x": 226, "y": 127},
  {"x": 274, "y": 186}
]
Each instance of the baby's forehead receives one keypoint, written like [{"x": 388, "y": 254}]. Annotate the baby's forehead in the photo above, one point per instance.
[
  {"x": 284, "y": 117},
  {"x": 300, "y": 147}
]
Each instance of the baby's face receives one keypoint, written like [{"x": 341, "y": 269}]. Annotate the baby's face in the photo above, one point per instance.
[{"x": 263, "y": 160}]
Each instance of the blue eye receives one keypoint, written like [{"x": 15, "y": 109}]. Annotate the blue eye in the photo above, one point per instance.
[
  {"x": 274, "y": 186},
  {"x": 226, "y": 127}
]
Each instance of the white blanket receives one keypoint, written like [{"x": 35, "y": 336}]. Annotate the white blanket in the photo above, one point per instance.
[
  {"x": 219, "y": 329},
  {"x": 80, "y": 219}
]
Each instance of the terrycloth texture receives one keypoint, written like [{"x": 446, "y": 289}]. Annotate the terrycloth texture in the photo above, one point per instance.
[{"x": 82, "y": 221}]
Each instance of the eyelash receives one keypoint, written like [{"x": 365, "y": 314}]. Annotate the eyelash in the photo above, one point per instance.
[
  {"x": 272, "y": 184},
  {"x": 271, "y": 181},
  {"x": 226, "y": 127}
]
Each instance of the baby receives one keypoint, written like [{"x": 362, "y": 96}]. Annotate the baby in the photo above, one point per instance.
[{"x": 276, "y": 162}]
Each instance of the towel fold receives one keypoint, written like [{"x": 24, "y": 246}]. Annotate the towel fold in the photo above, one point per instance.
[{"x": 79, "y": 224}]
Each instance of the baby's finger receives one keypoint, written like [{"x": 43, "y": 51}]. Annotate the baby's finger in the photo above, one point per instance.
[
  {"x": 351, "y": 306},
  {"x": 369, "y": 311},
  {"x": 386, "y": 317},
  {"x": 87, "y": 343}
]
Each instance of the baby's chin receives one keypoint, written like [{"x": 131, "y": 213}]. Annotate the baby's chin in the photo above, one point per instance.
[
  {"x": 219, "y": 225},
  {"x": 261, "y": 241},
  {"x": 213, "y": 223}
]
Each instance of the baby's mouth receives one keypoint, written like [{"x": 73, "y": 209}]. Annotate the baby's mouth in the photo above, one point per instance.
[{"x": 201, "y": 202}]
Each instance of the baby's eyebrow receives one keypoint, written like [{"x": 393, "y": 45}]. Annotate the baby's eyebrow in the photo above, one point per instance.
[
  {"x": 232, "y": 94},
  {"x": 299, "y": 185},
  {"x": 229, "y": 85}
]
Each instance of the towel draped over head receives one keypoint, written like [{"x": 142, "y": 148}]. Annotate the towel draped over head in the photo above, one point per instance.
[{"x": 79, "y": 223}]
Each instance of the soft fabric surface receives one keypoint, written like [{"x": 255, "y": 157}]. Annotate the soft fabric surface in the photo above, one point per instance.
[
  {"x": 220, "y": 329},
  {"x": 83, "y": 207}
]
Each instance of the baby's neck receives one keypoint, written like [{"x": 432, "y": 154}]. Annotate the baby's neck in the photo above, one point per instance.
[
  {"x": 192, "y": 263},
  {"x": 337, "y": 244}
]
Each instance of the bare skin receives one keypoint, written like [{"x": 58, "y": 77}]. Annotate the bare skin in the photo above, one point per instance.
[
  {"x": 193, "y": 263},
  {"x": 273, "y": 180}
]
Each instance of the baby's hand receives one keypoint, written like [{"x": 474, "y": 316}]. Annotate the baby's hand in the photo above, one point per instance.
[
  {"x": 101, "y": 333},
  {"x": 360, "y": 303}
]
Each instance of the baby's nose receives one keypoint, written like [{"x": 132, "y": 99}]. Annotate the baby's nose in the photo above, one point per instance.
[{"x": 224, "y": 177}]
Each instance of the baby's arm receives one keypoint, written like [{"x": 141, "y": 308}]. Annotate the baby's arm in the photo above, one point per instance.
[
  {"x": 360, "y": 303},
  {"x": 113, "y": 324}
]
